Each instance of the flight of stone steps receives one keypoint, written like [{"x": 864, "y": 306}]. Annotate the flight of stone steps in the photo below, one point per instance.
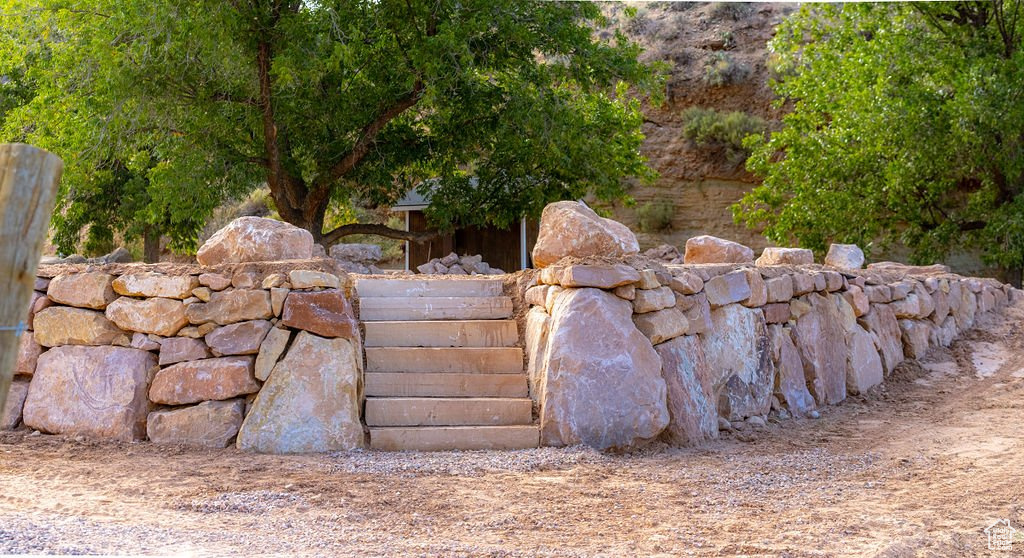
[{"x": 442, "y": 368}]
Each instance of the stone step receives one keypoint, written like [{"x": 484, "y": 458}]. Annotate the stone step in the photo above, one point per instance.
[
  {"x": 408, "y": 384},
  {"x": 465, "y": 333},
  {"x": 378, "y": 309},
  {"x": 438, "y": 411},
  {"x": 428, "y": 287},
  {"x": 459, "y": 360},
  {"x": 441, "y": 438}
]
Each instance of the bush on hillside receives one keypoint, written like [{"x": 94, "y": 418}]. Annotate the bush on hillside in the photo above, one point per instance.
[{"x": 655, "y": 216}]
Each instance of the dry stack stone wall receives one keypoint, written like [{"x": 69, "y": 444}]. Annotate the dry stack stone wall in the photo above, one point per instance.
[
  {"x": 622, "y": 352},
  {"x": 267, "y": 356}
]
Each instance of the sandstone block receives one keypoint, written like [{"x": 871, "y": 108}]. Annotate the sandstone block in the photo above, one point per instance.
[
  {"x": 256, "y": 239},
  {"x": 39, "y": 302},
  {"x": 242, "y": 338},
  {"x": 625, "y": 292},
  {"x": 863, "y": 364},
  {"x": 820, "y": 337},
  {"x": 727, "y": 289},
  {"x": 204, "y": 380},
  {"x": 145, "y": 342},
  {"x": 536, "y": 295},
  {"x": 687, "y": 283},
  {"x": 325, "y": 313},
  {"x": 155, "y": 285},
  {"x": 878, "y": 294},
  {"x": 698, "y": 316},
  {"x": 244, "y": 279},
  {"x": 600, "y": 386},
  {"x": 215, "y": 281},
  {"x": 598, "y": 276},
  {"x": 915, "y": 334},
  {"x": 846, "y": 256},
  {"x": 758, "y": 290},
  {"x": 790, "y": 383},
  {"x": 881, "y": 323},
  {"x": 856, "y": 298},
  {"x": 651, "y": 300},
  {"x": 305, "y": 279},
  {"x": 61, "y": 325},
  {"x": 785, "y": 256},
  {"x": 210, "y": 424},
  {"x": 270, "y": 352},
  {"x": 277, "y": 298},
  {"x": 15, "y": 402},
  {"x": 777, "y": 313},
  {"x": 648, "y": 280},
  {"x": 662, "y": 325},
  {"x": 94, "y": 391},
  {"x": 28, "y": 354},
  {"x": 833, "y": 281},
  {"x": 570, "y": 228},
  {"x": 536, "y": 342},
  {"x": 310, "y": 402},
  {"x": 82, "y": 290},
  {"x": 159, "y": 316},
  {"x": 272, "y": 281},
  {"x": 693, "y": 418},
  {"x": 228, "y": 307},
  {"x": 780, "y": 289},
  {"x": 182, "y": 349},
  {"x": 738, "y": 354},
  {"x": 803, "y": 283},
  {"x": 709, "y": 249}
]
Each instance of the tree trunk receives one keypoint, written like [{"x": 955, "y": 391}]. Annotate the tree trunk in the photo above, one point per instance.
[
  {"x": 150, "y": 245},
  {"x": 28, "y": 189}
]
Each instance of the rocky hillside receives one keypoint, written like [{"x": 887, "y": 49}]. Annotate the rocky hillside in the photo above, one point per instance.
[{"x": 718, "y": 60}]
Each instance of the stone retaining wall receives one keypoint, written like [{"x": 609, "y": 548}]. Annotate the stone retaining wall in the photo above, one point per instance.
[
  {"x": 267, "y": 353},
  {"x": 620, "y": 353}
]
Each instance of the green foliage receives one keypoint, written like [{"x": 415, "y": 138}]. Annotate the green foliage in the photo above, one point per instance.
[
  {"x": 710, "y": 127},
  {"x": 331, "y": 104},
  {"x": 730, "y": 10},
  {"x": 655, "y": 216},
  {"x": 907, "y": 125},
  {"x": 720, "y": 69}
]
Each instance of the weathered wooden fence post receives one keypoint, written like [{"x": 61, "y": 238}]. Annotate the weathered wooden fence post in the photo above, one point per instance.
[{"x": 28, "y": 188}]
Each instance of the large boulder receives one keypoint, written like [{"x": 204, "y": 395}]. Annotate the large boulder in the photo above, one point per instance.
[
  {"x": 159, "y": 316},
  {"x": 739, "y": 356},
  {"x": 790, "y": 384},
  {"x": 204, "y": 380},
  {"x": 881, "y": 323},
  {"x": 821, "y": 338},
  {"x": 148, "y": 284},
  {"x": 785, "y": 256},
  {"x": 325, "y": 313},
  {"x": 95, "y": 391},
  {"x": 310, "y": 402},
  {"x": 11, "y": 415},
  {"x": 863, "y": 363},
  {"x": 63, "y": 325},
  {"x": 707, "y": 249},
  {"x": 845, "y": 256},
  {"x": 692, "y": 415},
  {"x": 365, "y": 254},
  {"x": 256, "y": 239},
  {"x": 210, "y": 424},
  {"x": 600, "y": 379},
  {"x": 82, "y": 290},
  {"x": 570, "y": 228}
]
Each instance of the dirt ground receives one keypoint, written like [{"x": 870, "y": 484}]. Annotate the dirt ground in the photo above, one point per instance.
[{"x": 919, "y": 468}]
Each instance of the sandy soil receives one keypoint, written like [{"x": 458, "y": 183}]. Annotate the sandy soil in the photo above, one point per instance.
[{"x": 919, "y": 468}]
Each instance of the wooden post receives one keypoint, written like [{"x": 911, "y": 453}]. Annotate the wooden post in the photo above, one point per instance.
[{"x": 28, "y": 189}]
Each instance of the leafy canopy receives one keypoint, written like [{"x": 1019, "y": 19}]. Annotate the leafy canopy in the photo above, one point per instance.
[
  {"x": 331, "y": 104},
  {"x": 907, "y": 124}
]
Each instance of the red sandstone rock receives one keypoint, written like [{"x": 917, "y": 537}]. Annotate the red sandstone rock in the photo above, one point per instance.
[
  {"x": 570, "y": 228},
  {"x": 95, "y": 391},
  {"x": 243, "y": 338},
  {"x": 256, "y": 239},
  {"x": 204, "y": 380},
  {"x": 325, "y": 313}
]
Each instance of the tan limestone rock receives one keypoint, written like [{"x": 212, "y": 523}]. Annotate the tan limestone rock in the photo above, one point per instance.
[
  {"x": 215, "y": 281},
  {"x": 820, "y": 336},
  {"x": 698, "y": 316},
  {"x": 803, "y": 283},
  {"x": 885, "y": 330},
  {"x": 780, "y": 289},
  {"x": 776, "y": 313},
  {"x": 727, "y": 289},
  {"x": 82, "y": 290},
  {"x": 662, "y": 325},
  {"x": 145, "y": 342},
  {"x": 785, "y": 256},
  {"x": 651, "y": 300},
  {"x": 845, "y": 256},
  {"x": 536, "y": 295},
  {"x": 538, "y": 324},
  {"x": 856, "y": 298},
  {"x": 270, "y": 352},
  {"x": 600, "y": 386},
  {"x": 148, "y": 284},
  {"x": 242, "y": 279},
  {"x": 310, "y": 402},
  {"x": 28, "y": 354},
  {"x": 182, "y": 349},
  {"x": 202, "y": 293},
  {"x": 693, "y": 418},
  {"x": 738, "y": 354},
  {"x": 11, "y": 415},
  {"x": 709, "y": 249},
  {"x": 325, "y": 313},
  {"x": 159, "y": 316},
  {"x": 306, "y": 279},
  {"x": 915, "y": 334},
  {"x": 228, "y": 307},
  {"x": 62, "y": 325},
  {"x": 758, "y": 290},
  {"x": 598, "y": 276},
  {"x": 204, "y": 380},
  {"x": 648, "y": 280},
  {"x": 569, "y": 228},
  {"x": 277, "y": 298},
  {"x": 210, "y": 424},
  {"x": 625, "y": 292},
  {"x": 687, "y": 283},
  {"x": 878, "y": 294},
  {"x": 790, "y": 383},
  {"x": 863, "y": 363},
  {"x": 38, "y": 303},
  {"x": 242, "y": 338},
  {"x": 256, "y": 239},
  {"x": 94, "y": 391}
]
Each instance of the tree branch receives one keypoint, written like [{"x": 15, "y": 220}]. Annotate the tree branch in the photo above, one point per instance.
[{"x": 380, "y": 230}]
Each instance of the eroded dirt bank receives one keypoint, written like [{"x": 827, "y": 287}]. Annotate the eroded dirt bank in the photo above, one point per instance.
[{"x": 918, "y": 468}]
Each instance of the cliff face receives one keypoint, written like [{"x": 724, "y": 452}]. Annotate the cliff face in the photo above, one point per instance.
[{"x": 700, "y": 182}]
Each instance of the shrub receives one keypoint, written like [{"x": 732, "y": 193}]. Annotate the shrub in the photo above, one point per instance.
[
  {"x": 655, "y": 216},
  {"x": 709, "y": 127},
  {"x": 720, "y": 69},
  {"x": 730, "y": 10}
]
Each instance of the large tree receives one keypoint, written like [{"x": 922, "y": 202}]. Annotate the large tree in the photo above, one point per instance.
[
  {"x": 348, "y": 101},
  {"x": 907, "y": 125}
]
